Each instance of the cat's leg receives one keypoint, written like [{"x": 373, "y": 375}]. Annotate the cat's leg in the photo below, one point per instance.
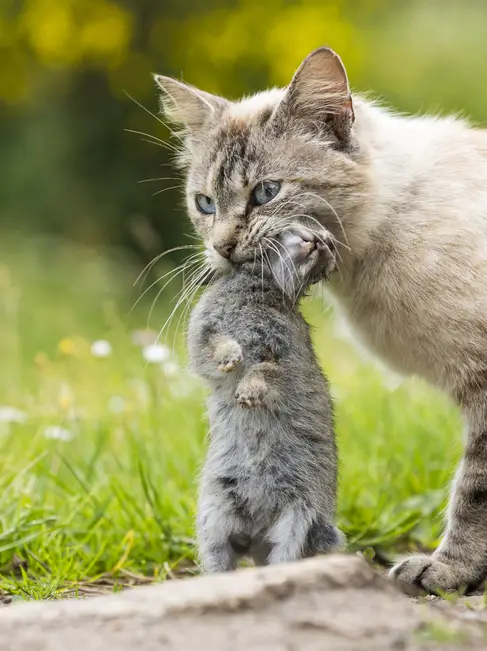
[
  {"x": 221, "y": 533},
  {"x": 460, "y": 562},
  {"x": 288, "y": 535},
  {"x": 257, "y": 386}
]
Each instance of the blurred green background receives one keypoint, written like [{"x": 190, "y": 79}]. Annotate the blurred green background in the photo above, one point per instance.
[
  {"x": 68, "y": 167},
  {"x": 101, "y": 431}
]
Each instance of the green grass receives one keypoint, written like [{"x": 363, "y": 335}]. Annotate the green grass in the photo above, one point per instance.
[
  {"x": 111, "y": 502},
  {"x": 442, "y": 632}
]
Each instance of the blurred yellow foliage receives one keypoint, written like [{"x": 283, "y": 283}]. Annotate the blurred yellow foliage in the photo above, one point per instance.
[
  {"x": 74, "y": 347},
  {"x": 61, "y": 33},
  {"x": 235, "y": 46},
  {"x": 275, "y": 33},
  {"x": 65, "y": 396},
  {"x": 42, "y": 361},
  {"x": 70, "y": 31}
]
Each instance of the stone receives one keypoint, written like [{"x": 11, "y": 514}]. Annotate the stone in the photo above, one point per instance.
[{"x": 326, "y": 603}]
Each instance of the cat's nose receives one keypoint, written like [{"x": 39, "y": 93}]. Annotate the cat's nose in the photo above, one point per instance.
[{"x": 224, "y": 248}]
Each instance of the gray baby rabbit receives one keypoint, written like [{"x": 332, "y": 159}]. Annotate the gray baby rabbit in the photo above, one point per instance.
[{"x": 269, "y": 483}]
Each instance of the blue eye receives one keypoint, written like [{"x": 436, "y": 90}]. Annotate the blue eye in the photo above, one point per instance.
[
  {"x": 265, "y": 192},
  {"x": 205, "y": 204}
]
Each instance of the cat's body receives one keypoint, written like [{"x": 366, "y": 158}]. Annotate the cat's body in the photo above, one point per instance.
[
  {"x": 406, "y": 201},
  {"x": 414, "y": 286},
  {"x": 268, "y": 486}
]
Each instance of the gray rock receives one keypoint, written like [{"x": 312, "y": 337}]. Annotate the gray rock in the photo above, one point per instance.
[{"x": 327, "y": 603}]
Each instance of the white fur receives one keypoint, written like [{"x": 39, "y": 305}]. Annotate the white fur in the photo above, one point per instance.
[{"x": 248, "y": 107}]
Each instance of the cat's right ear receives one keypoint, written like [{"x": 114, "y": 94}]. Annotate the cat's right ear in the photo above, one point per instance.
[
  {"x": 187, "y": 106},
  {"x": 319, "y": 94}
]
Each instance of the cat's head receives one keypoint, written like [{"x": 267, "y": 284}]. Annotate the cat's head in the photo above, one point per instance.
[{"x": 260, "y": 165}]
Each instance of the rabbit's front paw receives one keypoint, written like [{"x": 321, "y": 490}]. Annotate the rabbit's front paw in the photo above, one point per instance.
[
  {"x": 228, "y": 355},
  {"x": 251, "y": 392}
]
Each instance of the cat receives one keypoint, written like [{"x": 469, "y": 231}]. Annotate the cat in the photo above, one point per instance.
[
  {"x": 405, "y": 199},
  {"x": 269, "y": 482}
]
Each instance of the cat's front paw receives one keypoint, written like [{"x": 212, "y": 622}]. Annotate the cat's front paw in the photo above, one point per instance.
[
  {"x": 422, "y": 573},
  {"x": 228, "y": 356}
]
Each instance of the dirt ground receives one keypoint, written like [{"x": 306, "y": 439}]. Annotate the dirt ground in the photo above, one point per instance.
[{"x": 335, "y": 602}]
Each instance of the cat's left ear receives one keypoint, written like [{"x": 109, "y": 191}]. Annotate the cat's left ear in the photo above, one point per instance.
[
  {"x": 188, "y": 106},
  {"x": 319, "y": 93}
]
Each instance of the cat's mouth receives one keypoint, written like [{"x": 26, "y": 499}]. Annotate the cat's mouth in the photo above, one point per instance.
[
  {"x": 284, "y": 240},
  {"x": 227, "y": 254},
  {"x": 217, "y": 262},
  {"x": 224, "y": 264}
]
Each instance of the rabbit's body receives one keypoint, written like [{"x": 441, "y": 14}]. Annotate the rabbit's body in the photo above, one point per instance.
[{"x": 269, "y": 482}]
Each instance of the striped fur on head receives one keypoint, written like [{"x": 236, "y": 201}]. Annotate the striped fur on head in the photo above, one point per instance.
[{"x": 300, "y": 136}]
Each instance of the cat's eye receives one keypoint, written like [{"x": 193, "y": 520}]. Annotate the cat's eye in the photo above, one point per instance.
[
  {"x": 265, "y": 192},
  {"x": 205, "y": 204}
]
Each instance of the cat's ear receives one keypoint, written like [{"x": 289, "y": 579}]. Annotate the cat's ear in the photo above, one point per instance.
[
  {"x": 319, "y": 93},
  {"x": 188, "y": 106}
]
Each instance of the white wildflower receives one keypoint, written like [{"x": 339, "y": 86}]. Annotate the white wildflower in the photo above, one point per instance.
[
  {"x": 116, "y": 404},
  {"x": 144, "y": 337},
  {"x": 58, "y": 433},
  {"x": 101, "y": 348},
  {"x": 170, "y": 368},
  {"x": 156, "y": 353},
  {"x": 142, "y": 392},
  {"x": 184, "y": 385},
  {"x": 12, "y": 415}
]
